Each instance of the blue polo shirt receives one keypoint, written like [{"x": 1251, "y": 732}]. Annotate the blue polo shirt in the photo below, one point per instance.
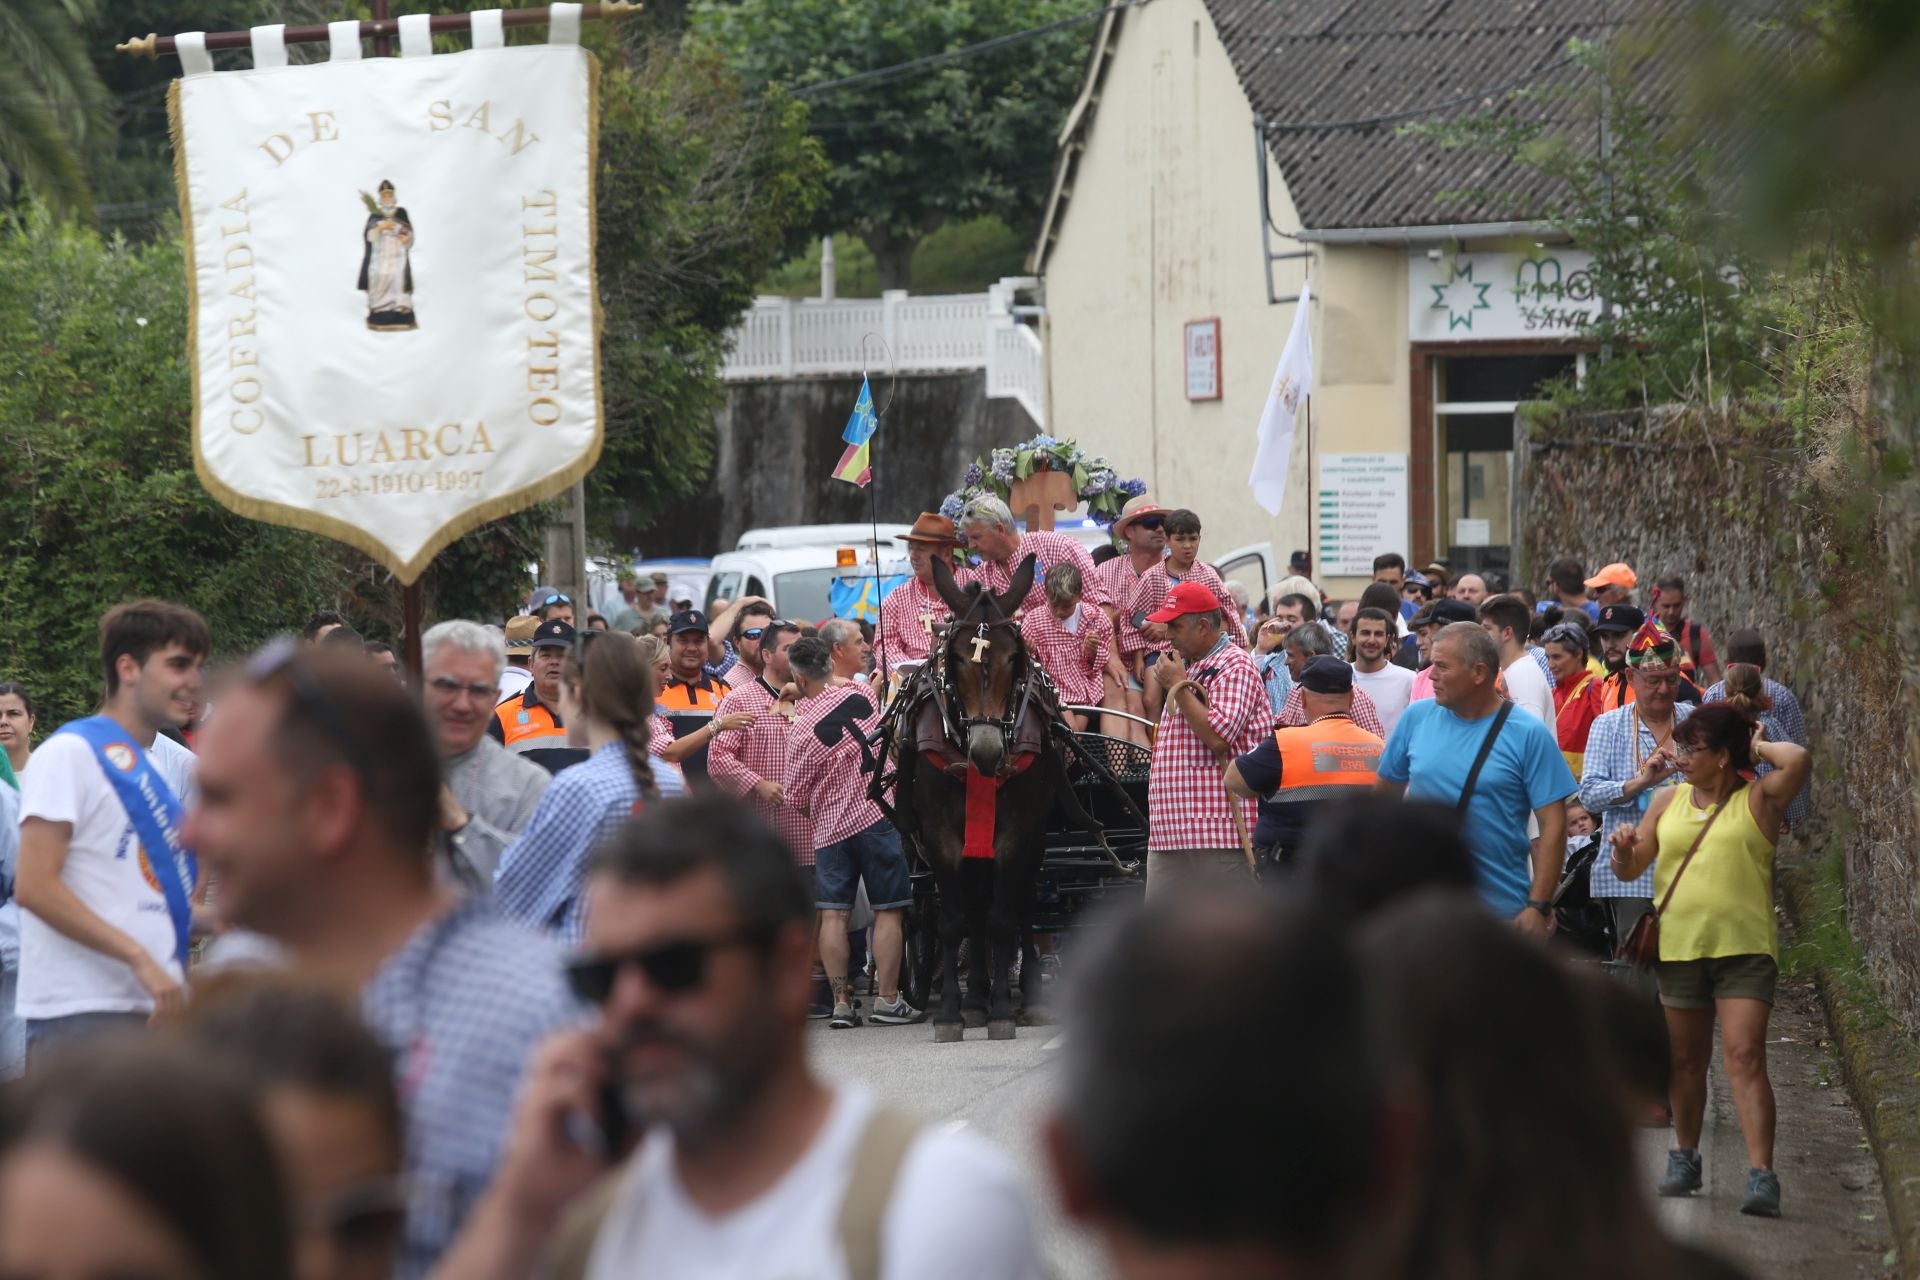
[{"x": 1432, "y": 750}]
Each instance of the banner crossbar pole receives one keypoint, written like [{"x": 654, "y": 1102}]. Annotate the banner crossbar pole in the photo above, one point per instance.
[{"x": 158, "y": 46}]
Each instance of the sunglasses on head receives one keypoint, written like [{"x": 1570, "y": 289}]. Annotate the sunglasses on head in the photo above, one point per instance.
[
  {"x": 675, "y": 967},
  {"x": 279, "y": 660},
  {"x": 556, "y": 598}
]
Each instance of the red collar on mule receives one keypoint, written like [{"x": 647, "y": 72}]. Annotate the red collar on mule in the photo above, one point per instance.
[{"x": 983, "y": 793}]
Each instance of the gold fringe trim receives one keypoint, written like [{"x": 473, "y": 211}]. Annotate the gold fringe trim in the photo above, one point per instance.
[{"x": 407, "y": 571}]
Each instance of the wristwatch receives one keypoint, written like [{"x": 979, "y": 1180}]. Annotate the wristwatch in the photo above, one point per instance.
[{"x": 1541, "y": 905}]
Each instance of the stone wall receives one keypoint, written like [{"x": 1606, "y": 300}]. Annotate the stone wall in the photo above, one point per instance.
[
  {"x": 777, "y": 443},
  {"x": 1773, "y": 535}
]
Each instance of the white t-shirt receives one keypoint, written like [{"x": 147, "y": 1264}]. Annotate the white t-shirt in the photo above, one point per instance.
[
  {"x": 1391, "y": 688},
  {"x": 957, "y": 1212},
  {"x": 106, "y": 869},
  {"x": 1529, "y": 689}
]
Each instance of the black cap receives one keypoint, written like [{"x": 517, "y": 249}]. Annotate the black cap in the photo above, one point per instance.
[
  {"x": 1326, "y": 674},
  {"x": 1620, "y": 617},
  {"x": 1451, "y": 611},
  {"x": 689, "y": 620},
  {"x": 553, "y": 634}
]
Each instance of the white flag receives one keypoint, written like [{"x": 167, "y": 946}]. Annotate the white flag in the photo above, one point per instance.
[{"x": 1292, "y": 383}]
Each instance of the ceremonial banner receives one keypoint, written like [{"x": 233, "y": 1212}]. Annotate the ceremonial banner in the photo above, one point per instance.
[{"x": 395, "y": 327}]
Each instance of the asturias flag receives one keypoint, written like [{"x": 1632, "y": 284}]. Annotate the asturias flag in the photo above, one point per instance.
[{"x": 853, "y": 467}]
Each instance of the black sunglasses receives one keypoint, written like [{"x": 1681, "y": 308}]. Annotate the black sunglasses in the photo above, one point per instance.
[
  {"x": 675, "y": 967},
  {"x": 1151, "y": 522}
]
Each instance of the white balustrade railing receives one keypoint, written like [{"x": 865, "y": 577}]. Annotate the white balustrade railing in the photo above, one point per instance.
[
  {"x": 1017, "y": 367},
  {"x": 788, "y": 337}
]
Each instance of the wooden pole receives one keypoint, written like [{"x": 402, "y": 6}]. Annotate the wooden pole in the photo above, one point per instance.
[
  {"x": 410, "y": 640},
  {"x": 381, "y": 30}
]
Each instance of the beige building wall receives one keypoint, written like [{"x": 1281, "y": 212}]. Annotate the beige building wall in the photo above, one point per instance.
[{"x": 1162, "y": 227}]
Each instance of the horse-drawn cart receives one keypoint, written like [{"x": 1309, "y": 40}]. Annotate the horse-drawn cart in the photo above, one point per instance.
[{"x": 1077, "y": 877}]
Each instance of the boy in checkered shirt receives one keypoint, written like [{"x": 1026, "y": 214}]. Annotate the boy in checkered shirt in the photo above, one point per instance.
[
  {"x": 1072, "y": 641},
  {"x": 1139, "y": 636}
]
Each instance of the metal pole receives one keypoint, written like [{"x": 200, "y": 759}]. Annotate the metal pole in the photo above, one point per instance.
[{"x": 577, "y": 553}]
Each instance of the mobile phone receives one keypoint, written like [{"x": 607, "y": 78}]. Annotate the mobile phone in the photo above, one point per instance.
[
  {"x": 1153, "y": 656},
  {"x": 604, "y": 1136}
]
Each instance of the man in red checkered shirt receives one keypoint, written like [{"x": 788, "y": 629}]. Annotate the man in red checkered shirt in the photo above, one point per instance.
[
  {"x": 752, "y": 762},
  {"x": 1072, "y": 641},
  {"x": 989, "y": 528},
  {"x": 1222, "y": 714},
  {"x": 826, "y": 779},
  {"x": 913, "y": 609}
]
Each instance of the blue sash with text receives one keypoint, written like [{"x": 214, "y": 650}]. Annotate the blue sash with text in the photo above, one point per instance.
[{"x": 155, "y": 814}]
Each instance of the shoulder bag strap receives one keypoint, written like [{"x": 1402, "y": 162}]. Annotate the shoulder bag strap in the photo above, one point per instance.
[
  {"x": 571, "y": 1250},
  {"x": 1486, "y": 749},
  {"x": 876, "y": 1165},
  {"x": 1697, "y": 841}
]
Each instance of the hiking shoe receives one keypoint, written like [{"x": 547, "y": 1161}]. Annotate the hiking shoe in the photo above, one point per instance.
[
  {"x": 1683, "y": 1173},
  {"x": 843, "y": 1016},
  {"x": 1763, "y": 1194},
  {"x": 896, "y": 1012}
]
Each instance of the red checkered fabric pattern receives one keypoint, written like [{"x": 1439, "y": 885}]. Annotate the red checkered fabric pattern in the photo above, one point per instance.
[
  {"x": 659, "y": 734},
  {"x": 1187, "y": 802},
  {"x": 741, "y": 759},
  {"x": 1151, "y": 593},
  {"x": 827, "y": 780},
  {"x": 1050, "y": 549},
  {"x": 1365, "y": 714},
  {"x": 1117, "y": 581},
  {"x": 903, "y": 634},
  {"x": 1063, "y": 653}
]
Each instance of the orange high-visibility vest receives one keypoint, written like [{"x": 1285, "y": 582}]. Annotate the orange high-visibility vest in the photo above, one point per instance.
[{"x": 1325, "y": 760}]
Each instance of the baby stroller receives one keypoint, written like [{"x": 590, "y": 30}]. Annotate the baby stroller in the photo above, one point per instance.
[{"x": 1579, "y": 921}]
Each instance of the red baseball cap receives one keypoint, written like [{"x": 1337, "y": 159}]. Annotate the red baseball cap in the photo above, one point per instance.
[{"x": 1185, "y": 598}]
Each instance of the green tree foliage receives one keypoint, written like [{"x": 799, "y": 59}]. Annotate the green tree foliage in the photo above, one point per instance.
[
  {"x": 953, "y": 140},
  {"x": 1683, "y": 309},
  {"x": 53, "y": 107},
  {"x": 98, "y": 498},
  {"x": 702, "y": 183}
]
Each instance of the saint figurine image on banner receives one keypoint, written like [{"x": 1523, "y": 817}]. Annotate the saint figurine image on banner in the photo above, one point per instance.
[{"x": 386, "y": 268}]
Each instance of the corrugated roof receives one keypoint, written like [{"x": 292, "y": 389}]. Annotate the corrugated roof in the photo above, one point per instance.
[{"x": 1336, "y": 79}]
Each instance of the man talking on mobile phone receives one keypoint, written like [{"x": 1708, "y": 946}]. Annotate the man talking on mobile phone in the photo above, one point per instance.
[{"x": 686, "y": 1134}]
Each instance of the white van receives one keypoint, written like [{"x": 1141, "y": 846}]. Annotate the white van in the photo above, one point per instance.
[
  {"x": 799, "y": 580},
  {"x": 819, "y": 535}
]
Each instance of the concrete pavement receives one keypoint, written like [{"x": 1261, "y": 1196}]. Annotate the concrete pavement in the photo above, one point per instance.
[{"x": 1834, "y": 1226}]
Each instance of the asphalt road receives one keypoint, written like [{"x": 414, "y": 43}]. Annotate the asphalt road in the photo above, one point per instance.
[{"x": 1834, "y": 1225}]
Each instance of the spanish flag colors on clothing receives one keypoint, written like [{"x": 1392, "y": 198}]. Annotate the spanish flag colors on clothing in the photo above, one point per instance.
[{"x": 854, "y": 467}]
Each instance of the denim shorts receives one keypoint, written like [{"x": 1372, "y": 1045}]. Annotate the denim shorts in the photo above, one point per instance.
[{"x": 873, "y": 855}]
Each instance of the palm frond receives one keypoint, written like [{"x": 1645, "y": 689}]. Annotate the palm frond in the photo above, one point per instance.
[
  {"x": 36, "y": 150},
  {"x": 47, "y": 45}
]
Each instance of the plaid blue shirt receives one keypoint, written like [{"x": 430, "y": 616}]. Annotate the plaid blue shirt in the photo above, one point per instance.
[
  {"x": 1785, "y": 723},
  {"x": 1609, "y": 767},
  {"x": 1275, "y": 676},
  {"x": 538, "y": 882},
  {"x": 462, "y": 1006}
]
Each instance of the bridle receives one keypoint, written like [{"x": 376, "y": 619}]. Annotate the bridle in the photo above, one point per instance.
[{"x": 959, "y": 727}]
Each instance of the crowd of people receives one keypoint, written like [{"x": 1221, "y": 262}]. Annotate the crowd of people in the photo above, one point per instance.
[{"x": 315, "y": 968}]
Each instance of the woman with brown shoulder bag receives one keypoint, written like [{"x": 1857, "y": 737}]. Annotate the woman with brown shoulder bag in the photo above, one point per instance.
[{"x": 1713, "y": 941}]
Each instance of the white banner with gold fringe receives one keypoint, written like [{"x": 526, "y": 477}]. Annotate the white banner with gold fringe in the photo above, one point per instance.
[{"x": 395, "y": 327}]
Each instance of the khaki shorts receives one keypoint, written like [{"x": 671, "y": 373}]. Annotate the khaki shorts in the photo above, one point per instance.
[
  {"x": 1168, "y": 869},
  {"x": 1696, "y": 984}
]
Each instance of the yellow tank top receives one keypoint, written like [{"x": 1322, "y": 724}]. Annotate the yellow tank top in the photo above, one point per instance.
[{"x": 1724, "y": 905}]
